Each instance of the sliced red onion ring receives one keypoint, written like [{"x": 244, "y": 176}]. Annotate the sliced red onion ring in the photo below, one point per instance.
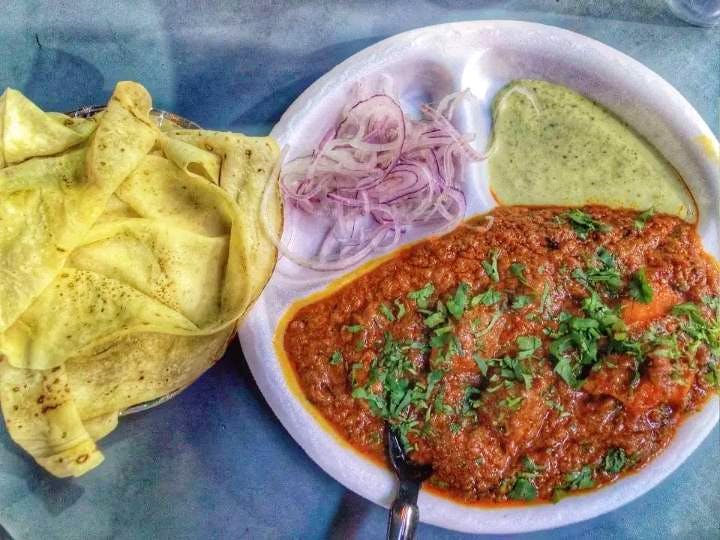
[{"x": 376, "y": 174}]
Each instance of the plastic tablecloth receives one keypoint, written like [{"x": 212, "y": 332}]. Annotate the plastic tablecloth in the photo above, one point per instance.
[{"x": 214, "y": 462}]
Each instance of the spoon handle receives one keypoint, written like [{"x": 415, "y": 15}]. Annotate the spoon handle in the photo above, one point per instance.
[{"x": 404, "y": 513}]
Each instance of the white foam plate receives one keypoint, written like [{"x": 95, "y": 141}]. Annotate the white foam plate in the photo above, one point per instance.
[{"x": 427, "y": 64}]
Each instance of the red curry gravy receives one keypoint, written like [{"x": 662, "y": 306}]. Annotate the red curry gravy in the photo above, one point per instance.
[{"x": 529, "y": 353}]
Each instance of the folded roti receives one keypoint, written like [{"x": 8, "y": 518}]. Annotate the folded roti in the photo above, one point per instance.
[{"x": 131, "y": 254}]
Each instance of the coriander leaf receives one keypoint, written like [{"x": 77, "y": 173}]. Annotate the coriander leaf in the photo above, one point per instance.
[
  {"x": 606, "y": 258},
  {"x": 606, "y": 274},
  {"x": 353, "y": 328},
  {"x": 356, "y": 366},
  {"x": 518, "y": 270},
  {"x": 469, "y": 402},
  {"x": 512, "y": 402},
  {"x": 610, "y": 277},
  {"x": 521, "y": 301},
  {"x": 558, "y": 407},
  {"x": 443, "y": 330},
  {"x": 582, "y": 479},
  {"x": 457, "y": 304},
  {"x": 523, "y": 490},
  {"x": 440, "y": 407},
  {"x": 640, "y": 288},
  {"x": 493, "y": 320},
  {"x": 583, "y": 223},
  {"x": 387, "y": 312},
  {"x": 401, "y": 309},
  {"x": 434, "y": 319},
  {"x": 455, "y": 427},
  {"x": 712, "y": 375},
  {"x": 615, "y": 460},
  {"x": 422, "y": 296},
  {"x": 643, "y": 218},
  {"x": 567, "y": 373},
  {"x": 527, "y": 345},
  {"x": 336, "y": 358},
  {"x": 580, "y": 342},
  {"x": 490, "y": 266},
  {"x": 545, "y": 298},
  {"x": 482, "y": 364},
  {"x": 514, "y": 369},
  {"x": 529, "y": 466},
  {"x": 558, "y": 494},
  {"x": 433, "y": 378},
  {"x": 377, "y": 403},
  {"x": 488, "y": 298}
]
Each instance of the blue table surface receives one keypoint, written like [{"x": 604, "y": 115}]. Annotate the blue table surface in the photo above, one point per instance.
[{"x": 215, "y": 462}]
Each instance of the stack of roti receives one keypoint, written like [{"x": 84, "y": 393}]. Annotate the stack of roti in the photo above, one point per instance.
[{"x": 128, "y": 253}]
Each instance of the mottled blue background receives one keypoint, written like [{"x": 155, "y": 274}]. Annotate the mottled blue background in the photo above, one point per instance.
[{"x": 214, "y": 462}]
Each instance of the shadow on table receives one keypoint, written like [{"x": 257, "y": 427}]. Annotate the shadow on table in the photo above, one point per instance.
[
  {"x": 349, "y": 517},
  {"x": 56, "y": 74},
  {"x": 237, "y": 85},
  {"x": 56, "y": 494},
  {"x": 4, "y": 535}
]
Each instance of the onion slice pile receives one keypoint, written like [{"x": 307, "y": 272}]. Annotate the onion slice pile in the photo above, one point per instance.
[{"x": 376, "y": 174}]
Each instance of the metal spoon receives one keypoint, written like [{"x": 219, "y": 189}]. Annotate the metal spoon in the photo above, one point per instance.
[{"x": 404, "y": 512}]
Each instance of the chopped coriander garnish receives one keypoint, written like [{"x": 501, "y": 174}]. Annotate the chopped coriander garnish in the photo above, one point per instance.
[
  {"x": 392, "y": 391},
  {"x": 455, "y": 427},
  {"x": 606, "y": 273},
  {"x": 610, "y": 277},
  {"x": 698, "y": 329},
  {"x": 490, "y": 266},
  {"x": 643, "y": 218},
  {"x": 712, "y": 374},
  {"x": 387, "y": 312},
  {"x": 615, "y": 460},
  {"x": 640, "y": 288},
  {"x": 482, "y": 364},
  {"x": 457, "y": 304},
  {"x": 353, "y": 369},
  {"x": 583, "y": 223},
  {"x": 401, "y": 309},
  {"x": 470, "y": 402},
  {"x": 582, "y": 479},
  {"x": 493, "y": 320},
  {"x": 336, "y": 358},
  {"x": 523, "y": 490},
  {"x": 514, "y": 369},
  {"x": 419, "y": 345},
  {"x": 439, "y": 406},
  {"x": 545, "y": 297},
  {"x": 520, "y": 301},
  {"x": 527, "y": 345},
  {"x": 513, "y": 403},
  {"x": 487, "y": 298},
  {"x": 607, "y": 258},
  {"x": 565, "y": 369},
  {"x": 353, "y": 328},
  {"x": 422, "y": 296},
  {"x": 431, "y": 321},
  {"x": 558, "y": 407},
  {"x": 529, "y": 466},
  {"x": 518, "y": 270},
  {"x": 578, "y": 340},
  {"x": 443, "y": 330},
  {"x": 360, "y": 344}
]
